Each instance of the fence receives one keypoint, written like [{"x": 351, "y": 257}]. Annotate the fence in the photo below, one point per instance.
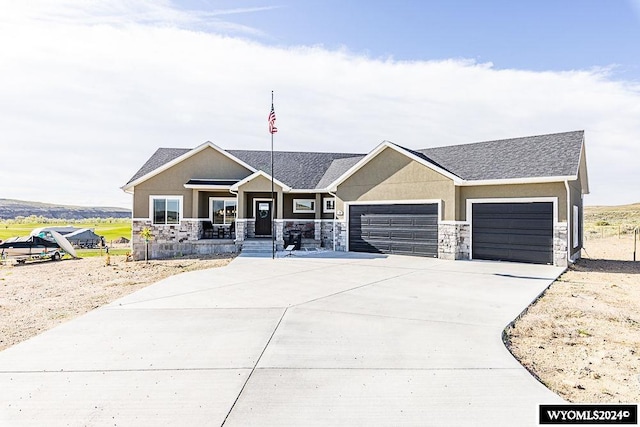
[{"x": 603, "y": 231}]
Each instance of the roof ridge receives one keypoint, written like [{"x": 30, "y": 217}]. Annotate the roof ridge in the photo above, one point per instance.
[{"x": 504, "y": 139}]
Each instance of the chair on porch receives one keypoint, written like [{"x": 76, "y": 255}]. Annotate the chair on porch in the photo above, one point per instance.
[{"x": 207, "y": 230}]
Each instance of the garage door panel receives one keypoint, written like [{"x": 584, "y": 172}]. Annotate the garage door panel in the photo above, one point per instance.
[
  {"x": 513, "y": 224},
  {"x": 523, "y": 254},
  {"x": 410, "y": 229},
  {"x": 510, "y": 239},
  {"x": 520, "y": 232}
]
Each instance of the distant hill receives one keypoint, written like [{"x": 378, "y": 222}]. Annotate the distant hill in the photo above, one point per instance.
[
  {"x": 10, "y": 209},
  {"x": 613, "y": 215}
]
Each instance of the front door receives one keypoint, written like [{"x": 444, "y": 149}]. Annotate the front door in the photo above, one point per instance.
[{"x": 263, "y": 217}]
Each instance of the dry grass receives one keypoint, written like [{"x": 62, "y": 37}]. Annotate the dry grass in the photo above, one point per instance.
[
  {"x": 40, "y": 295},
  {"x": 582, "y": 338}
]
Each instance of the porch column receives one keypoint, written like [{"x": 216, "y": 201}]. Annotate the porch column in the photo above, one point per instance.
[
  {"x": 280, "y": 204},
  {"x": 194, "y": 203},
  {"x": 318, "y": 206},
  {"x": 240, "y": 210}
]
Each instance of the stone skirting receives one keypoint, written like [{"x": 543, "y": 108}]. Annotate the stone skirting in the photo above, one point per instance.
[
  {"x": 453, "y": 240},
  {"x": 340, "y": 234},
  {"x": 560, "y": 231},
  {"x": 169, "y": 241},
  {"x": 184, "y": 239}
]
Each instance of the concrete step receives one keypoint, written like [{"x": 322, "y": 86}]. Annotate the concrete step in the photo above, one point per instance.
[{"x": 257, "y": 246}]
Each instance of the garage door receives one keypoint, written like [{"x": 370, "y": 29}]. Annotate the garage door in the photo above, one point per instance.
[
  {"x": 521, "y": 232},
  {"x": 394, "y": 229}
]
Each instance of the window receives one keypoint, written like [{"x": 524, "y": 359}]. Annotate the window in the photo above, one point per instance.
[
  {"x": 328, "y": 204},
  {"x": 166, "y": 209},
  {"x": 576, "y": 223},
  {"x": 223, "y": 211},
  {"x": 304, "y": 206}
]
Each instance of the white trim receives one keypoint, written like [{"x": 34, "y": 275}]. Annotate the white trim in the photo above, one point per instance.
[
  {"x": 261, "y": 199},
  {"x": 206, "y": 187},
  {"x": 166, "y": 197},
  {"x": 256, "y": 174},
  {"x": 307, "y": 191},
  {"x": 575, "y": 222},
  {"x": 179, "y": 159},
  {"x": 387, "y": 144},
  {"x": 347, "y": 206},
  {"x": 454, "y": 222},
  {"x": 582, "y": 168},
  {"x": 469, "y": 211},
  {"x": 313, "y": 210},
  {"x": 324, "y": 204},
  {"x": 507, "y": 181}
]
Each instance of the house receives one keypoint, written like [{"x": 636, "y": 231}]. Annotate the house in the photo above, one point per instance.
[{"x": 516, "y": 199}]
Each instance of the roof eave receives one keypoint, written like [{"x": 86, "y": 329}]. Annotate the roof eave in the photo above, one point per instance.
[
  {"x": 527, "y": 180},
  {"x": 206, "y": 187}
]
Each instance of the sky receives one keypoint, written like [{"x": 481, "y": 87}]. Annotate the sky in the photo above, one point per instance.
[{"x": 89, "y": 89}]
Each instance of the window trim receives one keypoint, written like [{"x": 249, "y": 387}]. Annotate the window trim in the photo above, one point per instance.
[
  {"x": 152, "y": 215},
  {"x": 224, "y": 200},
  {"x": 576, "y": 226},
  {"x": 325, "y": 209},
  {"x": 309, "y": 211}
]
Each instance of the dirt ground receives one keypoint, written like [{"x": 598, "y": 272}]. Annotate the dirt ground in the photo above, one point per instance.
[
  {"x": 582, "y": 337},
  {"x": 39, "y": 295}
]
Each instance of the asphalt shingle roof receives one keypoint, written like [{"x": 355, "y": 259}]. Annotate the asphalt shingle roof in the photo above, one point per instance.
[
  {"x": 296, "y": 169},
  {"x": 528, "y": 157},
  {"x": 161, "y": 157}
]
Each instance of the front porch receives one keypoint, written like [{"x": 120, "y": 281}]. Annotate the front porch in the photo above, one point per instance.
[{"x": 202, "y": 237}]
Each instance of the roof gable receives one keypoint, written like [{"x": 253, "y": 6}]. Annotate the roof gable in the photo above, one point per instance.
[
  {"x": 164, "y": 158},
  {"x": 379, "y": 149},
  {"x": 259, "y": 174}
]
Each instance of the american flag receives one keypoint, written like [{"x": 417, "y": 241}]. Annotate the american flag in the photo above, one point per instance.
[{"x": 272, "y": 121}]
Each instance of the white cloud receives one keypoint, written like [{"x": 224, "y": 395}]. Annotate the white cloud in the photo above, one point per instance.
[{"x": 88, "y": 92}]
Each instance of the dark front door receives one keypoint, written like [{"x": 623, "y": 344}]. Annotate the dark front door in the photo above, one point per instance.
[
  {"x": 263, "y": 217},
  {"x": 405, "y": 229}
]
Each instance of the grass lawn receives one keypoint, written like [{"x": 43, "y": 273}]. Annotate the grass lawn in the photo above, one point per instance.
[
  {"x": 110, "y": 230},
  {"x": 88, "y": 253}
]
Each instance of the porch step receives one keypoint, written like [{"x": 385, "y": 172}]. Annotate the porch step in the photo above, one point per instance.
[{"x": 257, "y": 246}]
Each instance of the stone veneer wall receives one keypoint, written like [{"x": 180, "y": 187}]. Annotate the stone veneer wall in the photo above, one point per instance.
[
  {"x": 175, "y": 240},
  {"x": 453, "y": 241},
  {"x": 326, "y": 234},
  {"x": 341, "y": 235},
  {"x": 560, "y": 231}
]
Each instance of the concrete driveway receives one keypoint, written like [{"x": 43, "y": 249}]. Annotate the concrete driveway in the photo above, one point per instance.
[{"x": 320, "y": 339}]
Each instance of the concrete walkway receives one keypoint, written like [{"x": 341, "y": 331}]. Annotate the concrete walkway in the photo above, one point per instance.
[{"x": 319, "y": 339}]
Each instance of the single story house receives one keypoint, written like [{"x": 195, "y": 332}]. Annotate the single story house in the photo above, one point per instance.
[{"x": 517, "y": 199}]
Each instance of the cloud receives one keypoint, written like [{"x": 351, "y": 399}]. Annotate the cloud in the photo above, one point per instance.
[{"x": 89, "y": 90}]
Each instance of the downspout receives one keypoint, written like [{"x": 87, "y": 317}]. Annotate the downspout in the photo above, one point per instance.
[
  {"x": 569, "y": 224},
  {"x": 335, "y": 215},
  {"x": 235, "y": 194}
]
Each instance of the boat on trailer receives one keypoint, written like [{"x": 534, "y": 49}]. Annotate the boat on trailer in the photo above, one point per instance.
[{"x": 23, "y": 249}]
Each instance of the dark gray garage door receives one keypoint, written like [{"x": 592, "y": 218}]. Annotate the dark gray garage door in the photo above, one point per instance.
[
  {"x": 394, "y": 229},
  {"x": 521, "y": 232}
]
